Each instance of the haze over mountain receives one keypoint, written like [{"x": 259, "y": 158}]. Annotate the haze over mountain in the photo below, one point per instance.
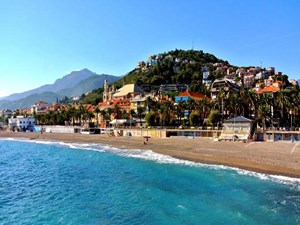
[{"x": 73, "y": 84}]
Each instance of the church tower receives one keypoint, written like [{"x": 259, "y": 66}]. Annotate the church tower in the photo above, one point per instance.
[{"x": 105, "y": 91}]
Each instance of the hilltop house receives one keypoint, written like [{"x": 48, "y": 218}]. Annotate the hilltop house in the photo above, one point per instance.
[
  {"x": 268, "y": 89},
  {"x": 227, "y": 85},
  {"x": 186, "y": 95},
  {"x": 39, "y": 107}
]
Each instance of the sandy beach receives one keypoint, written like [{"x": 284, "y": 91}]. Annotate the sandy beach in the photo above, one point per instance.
[{"x": 277, "y": 158}]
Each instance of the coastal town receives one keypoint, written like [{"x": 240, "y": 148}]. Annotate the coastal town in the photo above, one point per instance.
[
  {"x": 237, "y": 103},
  {"x": 159, "y": 112}
]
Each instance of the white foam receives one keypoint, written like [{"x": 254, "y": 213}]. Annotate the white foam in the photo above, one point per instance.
[
  {"x": 165, "y": 159},
  {"x": 295, "y": 182}
]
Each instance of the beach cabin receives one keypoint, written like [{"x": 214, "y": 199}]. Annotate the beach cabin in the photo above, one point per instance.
[{"x": 237, "y": 128}]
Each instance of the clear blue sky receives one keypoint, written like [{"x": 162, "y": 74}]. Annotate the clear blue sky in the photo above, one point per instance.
[{"x": 41, "y": 41}]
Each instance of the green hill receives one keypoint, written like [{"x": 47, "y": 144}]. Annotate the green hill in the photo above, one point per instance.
[{"x": 175, "y": 67}]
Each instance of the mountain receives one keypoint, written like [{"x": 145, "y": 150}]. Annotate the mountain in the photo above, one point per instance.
[
  {"x": 66, "y": 82},
  {"x": 88, "y": 84},
  {"x": 74, "y": 84},
  {"x": 29, "y": 100}
]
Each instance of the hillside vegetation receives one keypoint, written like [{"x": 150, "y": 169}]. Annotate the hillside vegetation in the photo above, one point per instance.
[{"x": 174, "y": 67}]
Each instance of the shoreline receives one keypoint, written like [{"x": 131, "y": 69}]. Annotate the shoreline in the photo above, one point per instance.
[{"x": 263, "y": 157}]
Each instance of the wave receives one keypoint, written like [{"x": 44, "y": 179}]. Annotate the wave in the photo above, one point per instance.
[{"x": 164, "y": 159}]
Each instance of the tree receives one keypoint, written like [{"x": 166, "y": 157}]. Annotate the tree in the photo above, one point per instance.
[
  {"x": 150, "y": 118},
  {"x": 264, "y": 108},
  {"x": 180, "y": 109},
  {"x": 97, "y": 111},
  {"x": 213, "y": 117},
  {"x": 284, "y": 103},
  {"x": 117, "y": 111},
  {"x": 162, "y": 115},
  {"x": 194, "y": 118},
  {"x": 140, "y": 113},
  {"x": 168, "y": 108},
  {"x": 221, "y": 103},
  {"x": 132, "y": 114}
]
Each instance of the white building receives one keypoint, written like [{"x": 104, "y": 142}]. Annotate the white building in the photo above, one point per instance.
[
  {"x": 39, "y": 107},
  {"x": 21, "y": 123}
]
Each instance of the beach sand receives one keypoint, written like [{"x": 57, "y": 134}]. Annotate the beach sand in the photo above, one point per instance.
[{"x": 277, "y": 158}]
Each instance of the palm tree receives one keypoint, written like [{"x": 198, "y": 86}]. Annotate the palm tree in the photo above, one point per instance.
[
  {"x": 132, "y": 113},
  {"x": 97, "y": 111},
  {"x": 140, "y": 113},
  {"x": 264, "y": 108},
  {"x": 233, "y": 104},
  {"x": 81, "y": 112},
  {"x": 251, "y": 100},
  {"x": 168, "y": 106},
  {"x": 162, "y": 115},
  {"x": 202, "y": 107},
  {"x": 221, "y": 102},
  {"x": 283, "y": 102},
  {"x": 108, "y": 113},
  {"x": 117, "y": 111},
  {"x": 151, "y": 104},
  {"x": 180, "y": 109}
]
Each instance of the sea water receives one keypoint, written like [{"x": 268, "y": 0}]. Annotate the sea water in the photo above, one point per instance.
[{"x": 58, "y": 183}]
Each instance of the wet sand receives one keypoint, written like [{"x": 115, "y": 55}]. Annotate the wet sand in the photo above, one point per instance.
[{"x": 277, "y": 158}]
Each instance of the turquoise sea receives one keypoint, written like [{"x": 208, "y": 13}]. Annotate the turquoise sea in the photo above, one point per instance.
[{"x": 58, "y": 183}]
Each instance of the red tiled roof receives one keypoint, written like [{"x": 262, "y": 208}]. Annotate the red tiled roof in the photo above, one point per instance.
[
  {"x": 192, "y": 95},
  {"x": 268, "y": 89},
  {"x": 41, "y": 103},
  {"x": 108, "y": 104},
  {"x": 122, "y": 103},
  {"x": 89, "y": 107}
]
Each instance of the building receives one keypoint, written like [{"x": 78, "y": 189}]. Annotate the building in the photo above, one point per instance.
[
  {"x": 249, "y": 80},
  {"x": 128, "y": 91},
  {"x": 228, "y": 85},
  {"x": 136, "y": 102},
  {"x": 205, "y": 74},
  {"x": 268, "y": 89},
  {"x": 21, "y": 123},
  {"x": 6, "y": 113},
  {"x": 39, "y": 107},
  {"x": 294, "y": 82},
  {"x": 108, "y": 92},
  {"x": 163, "y": 88},
  {"x": 186, "y": 95},
  {"x": 237, "y": 128}
]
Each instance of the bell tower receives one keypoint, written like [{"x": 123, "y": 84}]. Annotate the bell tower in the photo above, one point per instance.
[{"x": 105, "y": 91}]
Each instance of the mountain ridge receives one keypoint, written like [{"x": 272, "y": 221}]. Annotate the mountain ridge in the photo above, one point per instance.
[
  {"x": 70, "y": 85},
  {"x": 58, "y": 84}
]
